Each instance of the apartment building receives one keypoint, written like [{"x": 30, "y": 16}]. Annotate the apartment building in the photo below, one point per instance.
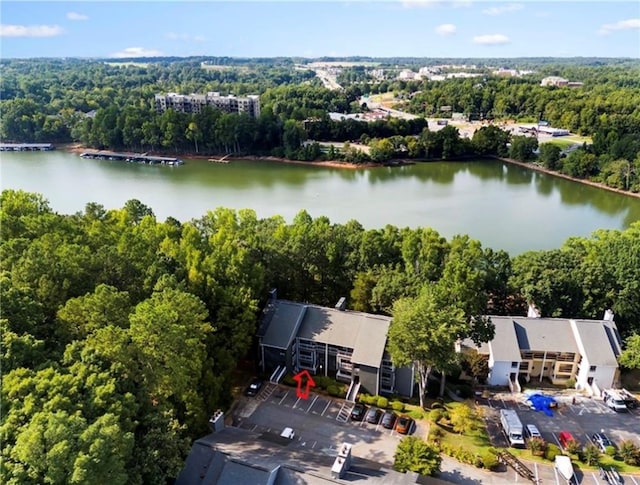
[
  {"x": 194, "y": 103},
  {"x": 347, "y": 345},
  {"x": 556, "y": 349}
]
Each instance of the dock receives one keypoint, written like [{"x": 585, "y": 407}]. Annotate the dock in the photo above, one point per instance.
[
  {"x": 132, "y": 158},
  {"x": 26, "y": 147}
]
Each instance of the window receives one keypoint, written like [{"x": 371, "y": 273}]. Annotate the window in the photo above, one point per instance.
[
  {"x": 592, "y": 368},
  {"x": 514, "y": 364}
]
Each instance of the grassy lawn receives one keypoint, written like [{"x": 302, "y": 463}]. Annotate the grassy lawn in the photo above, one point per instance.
[{"x": 475, "y": 441}]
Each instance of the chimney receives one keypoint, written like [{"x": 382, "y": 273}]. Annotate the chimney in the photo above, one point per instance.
[
  {"x": 342, "y": 304},
  {"x": 608, "y": 315},
  {"x": 532, "y": 311},
  {"x": 216, "y": 422}
]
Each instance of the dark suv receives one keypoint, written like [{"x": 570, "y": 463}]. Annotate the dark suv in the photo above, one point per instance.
[
  {"x": 357, "y": 413},
  {"x": 601, "y": 441}
]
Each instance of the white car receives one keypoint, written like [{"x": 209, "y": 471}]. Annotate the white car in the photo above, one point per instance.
[{"x": 288, "y": 433}]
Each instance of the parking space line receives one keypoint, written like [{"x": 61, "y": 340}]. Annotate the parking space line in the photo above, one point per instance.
[
  {"x": 254, "y": 427},
  {"x": 283, "y": 397},
  {"x": 535, "y": 468},
  {"x": 633, "y": 480},
  {"x": 294, "y": 406},
  {"x": 325, "y": 408},
  {"x": 311, "y": 405},
  {"x": 595, "y": 479},
  {"x": 556, "y": 439},
  {"x": 504, "y": 405}
]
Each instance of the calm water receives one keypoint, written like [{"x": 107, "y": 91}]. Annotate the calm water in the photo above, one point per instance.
[{"x": 505, "y": 206}]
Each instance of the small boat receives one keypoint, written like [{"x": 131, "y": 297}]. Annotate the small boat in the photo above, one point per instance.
[{"x": 564, "y": 467}]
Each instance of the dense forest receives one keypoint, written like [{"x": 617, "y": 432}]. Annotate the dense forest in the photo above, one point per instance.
[
  {"x": 121, "y": 333},
  {"x": 110, "y": 105}
]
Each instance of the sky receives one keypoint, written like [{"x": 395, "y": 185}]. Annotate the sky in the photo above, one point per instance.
[{"x": 311, "y": 28}]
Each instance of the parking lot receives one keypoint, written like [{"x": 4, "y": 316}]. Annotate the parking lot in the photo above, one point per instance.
[
  {"x": 582, "y": 419},
  {"x": 321, "y": 423}
]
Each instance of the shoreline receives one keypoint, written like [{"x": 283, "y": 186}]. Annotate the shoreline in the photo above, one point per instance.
[
  {"x": 77, "y": 148},
  {"x": 538, "y": 168}
]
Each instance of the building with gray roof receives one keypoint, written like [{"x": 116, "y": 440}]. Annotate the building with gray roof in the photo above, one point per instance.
[
  {"x": 556, "y": 349},
  {"x": 332, "y": 342}
]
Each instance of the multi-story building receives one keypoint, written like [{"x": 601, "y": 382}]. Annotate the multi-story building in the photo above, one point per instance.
[
  {"x": 555, "y": 349},
  {"x": 193, "y": 103},
  {"x": 347, "y": 345}
]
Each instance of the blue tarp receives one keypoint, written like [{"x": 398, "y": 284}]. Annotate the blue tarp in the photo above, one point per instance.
[{"x": 540, "y": 402}]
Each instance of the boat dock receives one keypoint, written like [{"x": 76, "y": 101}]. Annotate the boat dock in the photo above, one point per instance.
[
  {"x": 132, "y": 158},
  {"x": 26, "y": 147}
]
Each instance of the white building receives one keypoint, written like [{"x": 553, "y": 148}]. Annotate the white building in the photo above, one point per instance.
[
  {"x": 557, "y": 349},
  {"x": 554, "y": 81},
  {"x": 193, "y": 103}
]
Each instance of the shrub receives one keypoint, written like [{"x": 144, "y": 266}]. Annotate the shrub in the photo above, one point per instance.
[
  {"x": 462, "y": 418},
  {"x": 538, "y": 446},
  {"x": 630, "y": 453},
  {"x": 610, "y": 450},
  {"x": 289, "y": 381},
  {"x": 383, "y": 402},
  {"x": 323, "y": 382},
  {"x": 571, "y": 383},
  {"x": 416, "y": 455},
  {"x": 590, "y": 455},
  {"x": 416, "y": 414},
  {"x": 572, "y": 447},
  {"x": 336, "y": 390},
  {"x": 435, "y": 415},
  {"x": 397, "y": 406},
  {"x": 364, "y": 398},
  {"x": 552, "y": 451},
  {"x": 490, "y": 461},
  {"x": 435, "y": 433}
]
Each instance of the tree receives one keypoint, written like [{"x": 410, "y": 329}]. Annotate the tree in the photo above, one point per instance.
[
  {"x": 630, "y": 357},
  {"x": 416, "y": 455},
  {"x": 491, "y": 140},
  {"x": 476, "y": 365},
  {"x": 523, "y": 148},
  {"x": 549, "y": 155},
  {"x": 629, "y": 452},
  {"x": 423, "y": 333},
  {"x": 591, "y": 454}
]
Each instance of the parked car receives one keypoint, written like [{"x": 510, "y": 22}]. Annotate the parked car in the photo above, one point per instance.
[
  {"x": 358, "y": 411},
  {"x": 530, "y": 431},
  {"x": 373, "y": 416},
  {"x": 288, "y": 433},
  {"x": 404, "y": 424},
  {"x": 254, "y": 387},
  {"x": 601, "y": 441},
  {"x": 389, "y": 419},
  {"x": 564, "y": 437}
]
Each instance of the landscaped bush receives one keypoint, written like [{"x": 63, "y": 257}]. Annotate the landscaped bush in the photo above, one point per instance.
[
  {"x": 538, "y": 446},
  {"x": 590, "y": 455},
  {"x": 552, "y": 451},
  {"x": 610, "y": 450},
  {"x": 336, "y": 390},
  {"x": 571, "y": 383},
  {"x": 435, "y": 415},
  {"x": 365, "y": 398},
  {"x": 630, "y": 453},
  {"x": 572, "y": 447},
  {"x": 490, "y": 461},
  {"x": 383, "y": 402},
  {"x": 416, "y": 414},
  {"x": 289, "y": 381},
  {"x": 397, "y": 406},
  {"x": 323, "y": 382}
]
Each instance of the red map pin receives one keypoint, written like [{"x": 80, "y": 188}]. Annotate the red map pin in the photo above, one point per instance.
[{"x": 305, "y": 381}]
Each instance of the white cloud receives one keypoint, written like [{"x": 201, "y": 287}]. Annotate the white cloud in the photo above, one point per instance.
[
  {"x": 137, "y": 52},
  {"x": 491, "y": 39},
  {"x": 621, "y": 25},
  {"x": 446, "y": 29},
  {"x": 77, "y": 16},
  {"x": 510, "y": 7},
  {"x": 184, "y": 37},
  {"x": 8, "y": 30}
]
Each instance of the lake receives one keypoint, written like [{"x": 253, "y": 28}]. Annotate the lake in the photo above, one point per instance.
[{"x": 504, "y": 206}]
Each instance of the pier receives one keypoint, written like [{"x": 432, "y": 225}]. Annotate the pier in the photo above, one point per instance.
[
  {"x": 26, "y": 147},
  {"x": 132, "y": 158}
]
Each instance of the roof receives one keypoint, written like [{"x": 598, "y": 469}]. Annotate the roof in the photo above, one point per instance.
[
  {"x": 365, "y": 333},
  {"x": 504, "y": 346},
  {"x": 282, "y": 320},
  {"x": 598, "y": 342},
  {"x": 238, "y": 456},
  {"x": 545, "y": 335}
]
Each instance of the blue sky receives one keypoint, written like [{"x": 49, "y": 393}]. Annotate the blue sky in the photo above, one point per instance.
[{"x": 421, "y": 28}]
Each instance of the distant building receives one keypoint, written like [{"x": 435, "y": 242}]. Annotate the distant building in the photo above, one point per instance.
[
  {"x": 559, "y": 82},
  {"x": 193, "y": 103},
  {"x": 408, "y": 75}
]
